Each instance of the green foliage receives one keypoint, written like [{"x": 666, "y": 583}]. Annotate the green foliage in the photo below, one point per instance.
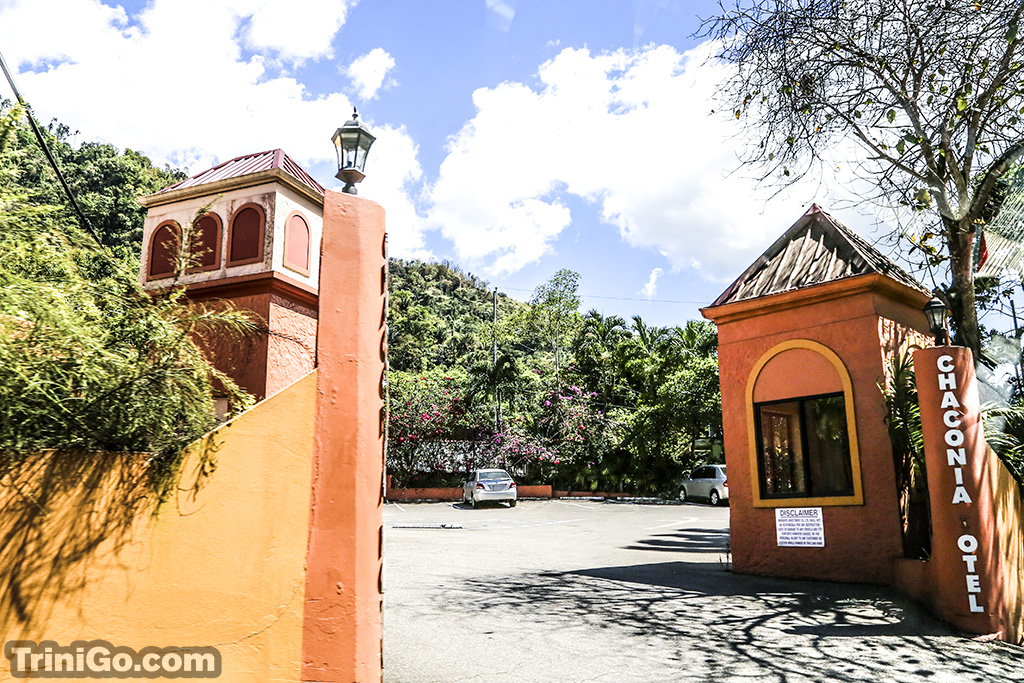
[
  {"x": 1004, "y": 432},
  {"x": 88, "y": 360},
  {"x": 580, "y": 401},
  {"x": 105, "y": 182},
  {"x": 439, "y": 317}
]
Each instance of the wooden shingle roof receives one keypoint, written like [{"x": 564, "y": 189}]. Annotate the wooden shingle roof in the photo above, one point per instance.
[{"x": 816, "y": 250}]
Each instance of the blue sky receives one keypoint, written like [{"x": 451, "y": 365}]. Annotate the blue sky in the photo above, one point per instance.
[{"x": 516, "y": 137}]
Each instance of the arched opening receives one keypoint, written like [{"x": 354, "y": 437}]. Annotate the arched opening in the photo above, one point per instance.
[
  {"x": 163, "y": 250},
  {"x": 296, "y": 244},
  {"x": 246, "y": 236},
  {"x": 802, "y": 429},
  {"x": 205, "y": 247}
]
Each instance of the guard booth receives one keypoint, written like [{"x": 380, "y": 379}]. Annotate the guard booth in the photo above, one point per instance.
[{"x": 805, "y": 335}]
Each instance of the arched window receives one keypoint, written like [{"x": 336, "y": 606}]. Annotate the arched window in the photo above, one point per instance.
[
  {"x": 296, "y": 244},
  {"x": 246, "y": 236},
  {"x": 205, "y": 248},
  {"x": 163, "y": 250},
  {"x": 803, "y": 431}
]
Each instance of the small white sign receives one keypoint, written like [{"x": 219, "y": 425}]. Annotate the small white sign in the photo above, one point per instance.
[{"x": 799, "y": 527}]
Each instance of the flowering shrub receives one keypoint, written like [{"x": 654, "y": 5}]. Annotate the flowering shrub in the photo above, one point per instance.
[{"x": 578, "y": 435}]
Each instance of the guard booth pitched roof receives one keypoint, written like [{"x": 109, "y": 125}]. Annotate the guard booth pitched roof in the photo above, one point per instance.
[{"x": 815, "y": 250}]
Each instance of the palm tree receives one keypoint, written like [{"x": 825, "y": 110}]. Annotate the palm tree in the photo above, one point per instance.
[
  {"x": 595, "y": 350},
  {"x": 492, "y": 382}
]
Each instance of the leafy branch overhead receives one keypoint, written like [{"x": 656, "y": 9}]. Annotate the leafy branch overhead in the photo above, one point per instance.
[{"x": 931, "y": 93}]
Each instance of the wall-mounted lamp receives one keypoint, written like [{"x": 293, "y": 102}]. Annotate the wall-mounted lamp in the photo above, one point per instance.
[{"x": 935, "y": 311}]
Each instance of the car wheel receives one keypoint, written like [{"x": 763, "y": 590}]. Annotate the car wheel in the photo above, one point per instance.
[
  {"x": 512, "y": 503},
  {"x": 682, "y": 495},
  {"x": 713, "y": 497}
]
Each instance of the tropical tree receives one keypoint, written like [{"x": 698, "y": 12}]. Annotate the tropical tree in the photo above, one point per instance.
[
  {"x": 555, "y": 312},
  {"x": 493, "y": 382},
  {"x": 595, "y": 350},
  {"x": 930, "y": 91}
]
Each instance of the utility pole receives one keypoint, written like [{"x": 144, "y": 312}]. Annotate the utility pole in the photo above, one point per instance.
[{"x": 494, "y": 354}]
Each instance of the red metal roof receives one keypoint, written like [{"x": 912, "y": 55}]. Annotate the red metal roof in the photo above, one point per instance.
[{"x": 247, "y": 165}]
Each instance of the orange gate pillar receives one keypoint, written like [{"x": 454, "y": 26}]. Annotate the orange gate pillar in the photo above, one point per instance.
[
  {"x": 967, "y": 578},
  {"x": 342, "y": 624}
]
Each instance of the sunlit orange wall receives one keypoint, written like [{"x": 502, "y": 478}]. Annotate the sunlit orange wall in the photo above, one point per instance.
[
  {"x": 224, "y": 567},
  {"x": 863, "y": 324},
  {"x": 343, "y": 621}
]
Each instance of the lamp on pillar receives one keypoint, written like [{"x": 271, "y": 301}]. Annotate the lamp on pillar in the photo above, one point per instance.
[
  {"x": 935, "y": 311},
  {"x": 352, "y": 142}
]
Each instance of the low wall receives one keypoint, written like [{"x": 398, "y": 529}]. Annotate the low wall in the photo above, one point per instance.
[
  {"x": 524, "y": 491},
  {"x": 221, "y": 564}
]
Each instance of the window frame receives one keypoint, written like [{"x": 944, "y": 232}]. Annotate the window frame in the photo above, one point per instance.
[
  {"x": 801, "y": 402},
  {"x": 218, "y": 248},
  {"x": 760, "y": 501},
  {"x": 262, "y": 238},
  {"x": 150, "y": 275}
]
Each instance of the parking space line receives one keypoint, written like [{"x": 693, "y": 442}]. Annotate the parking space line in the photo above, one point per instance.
[
  {"x": 527, "y": 526},
  {"x": 684, "y": 520},
  {"x": 577, "y": 505}
]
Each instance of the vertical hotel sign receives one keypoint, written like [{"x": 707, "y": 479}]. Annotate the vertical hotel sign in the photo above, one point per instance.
[{"x": 964, "y": 562}]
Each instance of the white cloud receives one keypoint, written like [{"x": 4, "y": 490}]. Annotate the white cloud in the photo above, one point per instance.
[
  {"x": 296, "y": 29},
  {"x": 179, "y": 88},
  {"x": 651, "y": 288},
  {"x": 369, "y": 71},
  {"x": 184, "y": 90},
  {"x": 392, "y": 171},
  {"x": 501, "y": 13},
  {"x": 629, "y": 131}
]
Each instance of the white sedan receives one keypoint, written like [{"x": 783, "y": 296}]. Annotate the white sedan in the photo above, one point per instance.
[{"x": 484, "y": 485}]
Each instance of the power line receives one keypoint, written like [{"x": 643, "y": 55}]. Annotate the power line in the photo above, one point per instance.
[
  {"x": 619, "y": 298},
  {"x": 49, "y": 155}
]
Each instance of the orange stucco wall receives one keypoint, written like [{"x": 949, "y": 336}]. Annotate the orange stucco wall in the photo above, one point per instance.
[
  {"x": 860, "y": 322},
  {"x": 221, "y": 564},
  {"x": 242, "y": 358},
  {"x": 291, "y": 347},
  {"x": 343, "y": 598}
]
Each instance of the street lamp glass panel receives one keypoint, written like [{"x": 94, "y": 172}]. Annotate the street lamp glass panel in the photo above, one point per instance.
[
  {"x": 353, "y": 141},
  {"x": 935, "y": 311}
]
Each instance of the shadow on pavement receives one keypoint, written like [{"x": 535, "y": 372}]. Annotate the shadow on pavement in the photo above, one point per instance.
[
  {"x": 749, "y": 628},
  {"x": 687, "y": 541}
]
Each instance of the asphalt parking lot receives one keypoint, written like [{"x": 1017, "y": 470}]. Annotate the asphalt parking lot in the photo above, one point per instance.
[{"x": 558, "y": 590}]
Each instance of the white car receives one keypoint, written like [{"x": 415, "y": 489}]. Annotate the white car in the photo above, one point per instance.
[
  {"x": 708, "y": 482},
  {"x": 484, "y": 485}
]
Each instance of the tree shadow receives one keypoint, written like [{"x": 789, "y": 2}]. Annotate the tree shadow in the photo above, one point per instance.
[
  {"x": 689, "y": 540},
  {"x": 748, "y": 627},
  {"x": 61, "y": 511}
]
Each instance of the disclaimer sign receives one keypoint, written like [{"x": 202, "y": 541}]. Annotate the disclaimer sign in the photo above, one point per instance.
[{"x": 799, "y": 527}]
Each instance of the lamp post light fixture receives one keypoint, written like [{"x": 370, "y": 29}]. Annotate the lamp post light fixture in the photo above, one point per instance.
[
  {"x": 935, "y": 311},
  {"x": 352, "y": 142}
]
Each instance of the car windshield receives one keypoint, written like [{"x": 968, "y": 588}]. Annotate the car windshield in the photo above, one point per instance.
[{"x": 493, "y": 475}]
